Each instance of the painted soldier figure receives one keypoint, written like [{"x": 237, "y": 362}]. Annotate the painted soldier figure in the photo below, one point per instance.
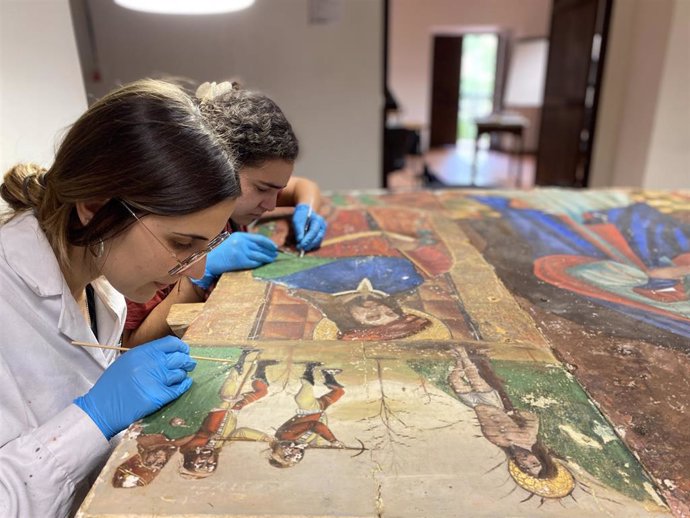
[
  {"x": 309, "y": 425},
  {"x": 200, "y": 450}
]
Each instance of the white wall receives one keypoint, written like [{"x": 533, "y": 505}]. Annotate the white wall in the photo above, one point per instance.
[
  {"x": 41, "y": 89},
  {"x": 327, "y": 78},
  {"x": 642, "y": 137},
  {"x": 668, "y": 164},
  {"x": 413, "y": 25}
]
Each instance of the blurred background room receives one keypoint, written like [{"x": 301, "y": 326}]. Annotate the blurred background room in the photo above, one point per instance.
[{"x": 388, "y": 93}]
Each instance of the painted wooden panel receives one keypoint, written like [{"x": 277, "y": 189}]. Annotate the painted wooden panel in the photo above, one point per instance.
[
  {"x": 606, "y": 277},
  {"x": 477, "y": 353},
  {"x": 383, "y": 272},
  {"x": 376, "y": 429}
]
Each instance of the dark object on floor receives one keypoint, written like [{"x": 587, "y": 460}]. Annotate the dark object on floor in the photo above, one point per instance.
[
  {"x": 397, "y": 143},
  {"x": 430, "y": 180}
]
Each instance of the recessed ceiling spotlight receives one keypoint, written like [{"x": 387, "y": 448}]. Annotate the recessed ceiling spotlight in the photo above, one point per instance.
[{"x": 185, "y": 6}]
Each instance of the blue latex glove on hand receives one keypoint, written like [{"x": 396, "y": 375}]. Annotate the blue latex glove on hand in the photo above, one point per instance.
[
  {"x": 138, "y": 383},
  {"x": 240, "y": 251},
  {"x": 309, "y": 228}
]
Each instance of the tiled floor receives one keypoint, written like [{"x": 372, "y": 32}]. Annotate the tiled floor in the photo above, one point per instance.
[{"x": 452, "y": 166}]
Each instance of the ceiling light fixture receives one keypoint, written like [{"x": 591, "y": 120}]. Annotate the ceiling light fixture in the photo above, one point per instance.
[{"x": 185, "y": 6}]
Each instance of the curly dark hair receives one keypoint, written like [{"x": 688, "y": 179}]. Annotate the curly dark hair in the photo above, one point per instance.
[{"x": 252, "y": 126}]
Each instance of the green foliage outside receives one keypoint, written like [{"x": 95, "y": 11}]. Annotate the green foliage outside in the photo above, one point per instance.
[{"x": 477, "y": 79}]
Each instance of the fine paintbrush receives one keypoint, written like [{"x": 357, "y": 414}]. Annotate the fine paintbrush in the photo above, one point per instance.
[{"x": 116, "y": 348}]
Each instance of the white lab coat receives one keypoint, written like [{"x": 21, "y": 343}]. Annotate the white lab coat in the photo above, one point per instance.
[{"x": 49, "y": 448}]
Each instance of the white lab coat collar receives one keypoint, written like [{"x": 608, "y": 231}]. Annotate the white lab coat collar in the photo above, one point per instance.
[{"x": 31, "y": 257}]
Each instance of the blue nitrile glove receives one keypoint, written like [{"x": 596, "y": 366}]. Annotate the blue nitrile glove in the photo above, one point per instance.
[
  {"x": 241, "y": 251},
  {"x": 309, "y": 228},
  {"x": 138, "y": 383}
]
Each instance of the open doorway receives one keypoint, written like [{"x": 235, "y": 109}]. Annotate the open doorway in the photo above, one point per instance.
[
  {"x": 426, "y": 55},
  {"x": 463, "y": 85},
  {"x": 477, "y": 83},
  {"x": 467, "y": 76}
]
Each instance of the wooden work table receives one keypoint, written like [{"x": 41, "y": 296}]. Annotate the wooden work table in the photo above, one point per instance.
[
  {"x": 445, "y": 353},
  {"x": 511, "y": 123}
]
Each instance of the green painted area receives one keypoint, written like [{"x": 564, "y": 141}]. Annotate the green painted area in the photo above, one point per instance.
[
  {"x": 562, "y": 407},
  {"x": 286, "y": 264},
  {"x": 193, "y": 405},
  {"x": 266, "y": 229},
  {"x": 570, "y": 425},
  {"x": 369, "y": 200},
  {"x": 339, "y": 200},
  {"x": 434, "y": 371}
]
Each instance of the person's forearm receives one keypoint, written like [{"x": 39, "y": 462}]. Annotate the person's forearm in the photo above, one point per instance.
[
  {"x": 308, "y": 192},
  {"x": 300, "y": 190},
  {"x": 155, "y": 325}
]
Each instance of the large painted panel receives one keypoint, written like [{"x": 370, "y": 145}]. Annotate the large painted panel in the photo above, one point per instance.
[
  {"x": 384, "y": 272},
  {"x": 375, "y": 429},
  {"x": 606, "y": 275},
  {"x": 450, "y": 353}
]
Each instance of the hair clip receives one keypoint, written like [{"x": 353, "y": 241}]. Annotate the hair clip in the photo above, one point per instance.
[{"x": 209, "y": 91}]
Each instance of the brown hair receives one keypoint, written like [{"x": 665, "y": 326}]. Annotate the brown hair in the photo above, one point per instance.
[
  {"x": 251, "y": 124},
  {"x": 146, "y": 143}
]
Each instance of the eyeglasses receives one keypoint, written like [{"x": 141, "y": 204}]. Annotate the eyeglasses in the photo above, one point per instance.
[{"x": 188, "y": 261}]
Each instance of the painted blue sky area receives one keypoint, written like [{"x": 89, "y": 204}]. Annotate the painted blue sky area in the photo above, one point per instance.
[{"x": 388, "y": 274}]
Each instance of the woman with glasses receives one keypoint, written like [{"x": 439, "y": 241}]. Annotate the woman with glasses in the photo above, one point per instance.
[
  {"x": 266, "y": 148},
  {"x": 140, "y": 191}
]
